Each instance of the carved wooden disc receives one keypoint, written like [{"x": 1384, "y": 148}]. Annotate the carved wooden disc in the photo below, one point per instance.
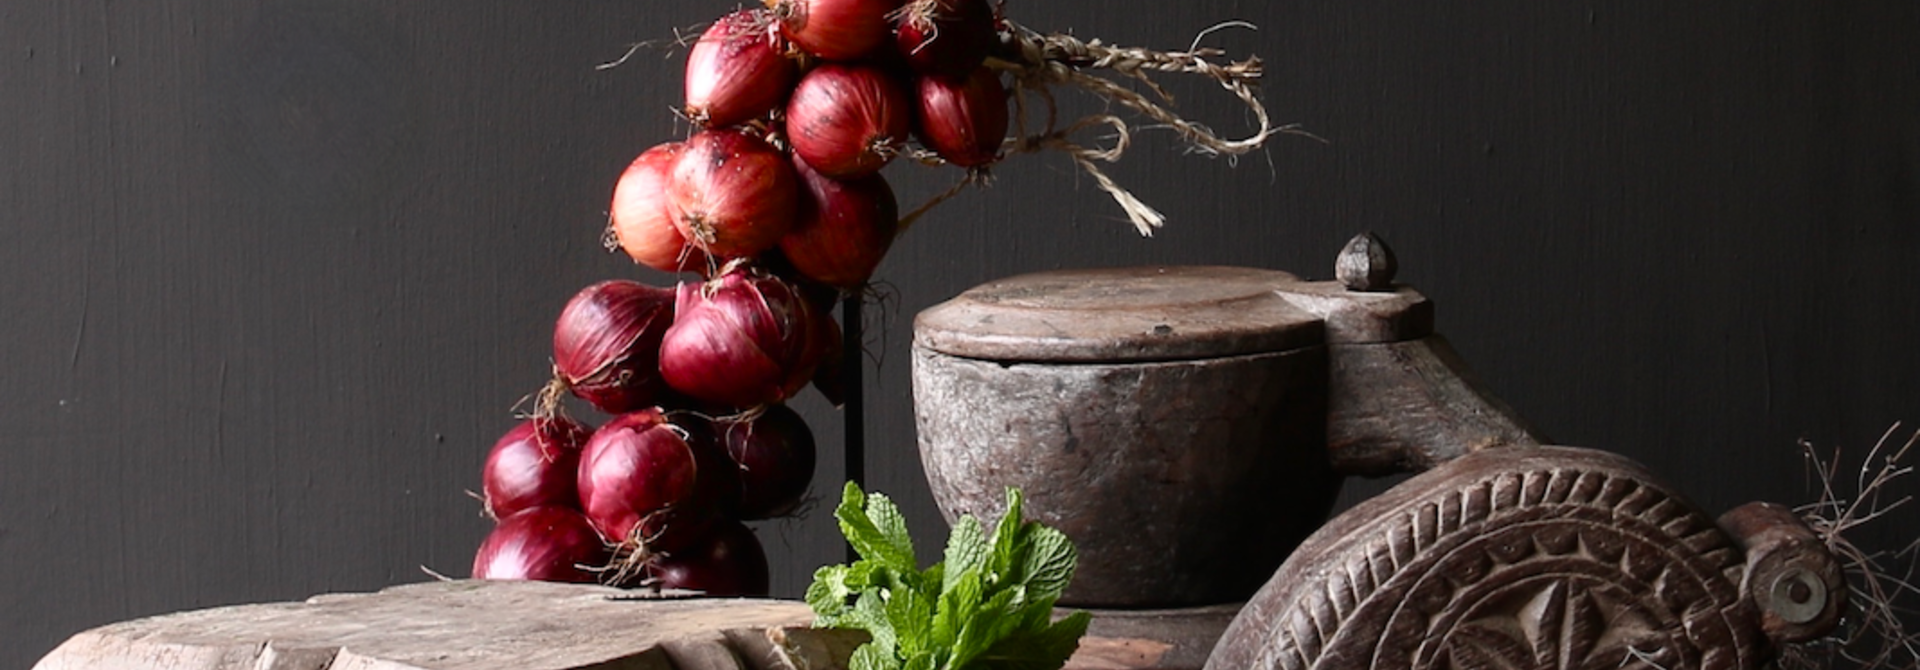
[{"x": 1524, "y": 558}]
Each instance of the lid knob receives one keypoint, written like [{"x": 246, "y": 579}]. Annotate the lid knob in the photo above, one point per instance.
[{"x": 1366, "y": 264}]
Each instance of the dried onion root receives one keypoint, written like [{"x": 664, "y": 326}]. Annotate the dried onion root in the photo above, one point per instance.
[
  {"x": 1039, "y": 62},
  {"x": 1874, "y": 632}
]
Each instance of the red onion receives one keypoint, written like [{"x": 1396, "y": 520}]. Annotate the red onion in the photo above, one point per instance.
[
  {"x": 534, "y": 465},
  {"x": 739, "y": 340},
  {"x": 553, "y": 544},
  {"x": 844, "y": 228},
  {"x": 733, "y": 193},
  {"x": 775, "y": 452},
  {"x": 736, "y": 72},
  {"x": 945, "y": 37},
  {"x": 651, "y": 484},
  {"x": 642, "y": 214},
  {"x": 835, "y": 30},
  {"x": 729, "y": 563},
  {"x": 848, "y": 120},
  {"x": 964, "y": 120},
  {"x": 607, "y": 341}
]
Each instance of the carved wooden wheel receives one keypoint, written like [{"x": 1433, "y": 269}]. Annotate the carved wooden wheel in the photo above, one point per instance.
[{"x": 1524, "y": 558}]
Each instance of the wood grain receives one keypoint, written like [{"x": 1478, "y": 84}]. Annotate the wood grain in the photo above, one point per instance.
[
  {"x": 1542, "y": 557},
  {"x": 447, "y": 625}
]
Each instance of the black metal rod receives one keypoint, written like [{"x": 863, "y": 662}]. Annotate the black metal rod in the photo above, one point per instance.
[{"x": 853, "y": 411}]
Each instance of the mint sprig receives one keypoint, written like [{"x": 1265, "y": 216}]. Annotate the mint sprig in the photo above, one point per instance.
[{"x": 987, "y": 605}]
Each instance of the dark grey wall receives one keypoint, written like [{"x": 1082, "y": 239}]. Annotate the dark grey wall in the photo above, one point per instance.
[{"x": 274, "y": 273}]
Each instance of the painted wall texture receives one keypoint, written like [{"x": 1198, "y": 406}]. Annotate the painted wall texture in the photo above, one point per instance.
[{"x": 272, "y": 274}]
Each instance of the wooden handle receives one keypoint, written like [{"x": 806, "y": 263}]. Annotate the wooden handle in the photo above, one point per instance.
[
  {"x": 1398, "y": 407},
  {"x": 1797, "y": 584}
]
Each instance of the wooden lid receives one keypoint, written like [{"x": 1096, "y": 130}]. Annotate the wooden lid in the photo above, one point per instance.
[{"x": 1121, "y": 315}]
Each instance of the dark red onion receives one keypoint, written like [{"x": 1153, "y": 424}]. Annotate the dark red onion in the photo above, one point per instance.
[
  {"x": 774, "y": 450},
  {"x": 835, "y": 30},
  {"x": 945, "y": 37},
  {"x": 848, "y": 120},
  {"x": 736, "y": 72},
  {"x": 844, "y": 228},
  {"x": 552, "y": 544},
  {"x": 964, "y": 120},
  {"x": 648, "y": 483},
  {"x": 729, "y": 563},
  {"x": 642, "y": 213},
  {"x": 733, "y": 194},
  {"x": 606, "y": 344},
  {"x": 534, "y": 465},
  {"x": 739, "y": 340}
]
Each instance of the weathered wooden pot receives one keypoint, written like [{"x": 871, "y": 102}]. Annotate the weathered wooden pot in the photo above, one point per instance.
[{"x": 1172, "y": 421}]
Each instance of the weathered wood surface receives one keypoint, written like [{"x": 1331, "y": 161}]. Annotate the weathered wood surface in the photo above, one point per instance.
[
  {"x": 1106, "y": 315},
  {"x": 456, "y": 625},
  {"x": 506, "y": 625},
  {"x": 1390, "y": 314},
  {"x": 1545, "y": 557},
  {"x": 1175, "y": 639},
  {"x": 1798, "y": 585},
  {"x": 1139, "y": 463},
  {"x": 1408, "y": 406}
]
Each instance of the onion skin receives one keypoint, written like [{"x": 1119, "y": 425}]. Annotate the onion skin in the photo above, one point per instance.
[
  {"x": 964, "y": 120},
  {"x": 647, "y": 483},
  {"x": 733, "y": 194},
  {"x": 606, "y": 344},
  {"x": 741, "y": 340},
  {"x": 776, "y": 455},
  {"x": 736, "y": 72},
  {"x": 844, "y": 229},
  {"x": 848, "y": 121},
  {"x": 948, "y": 38},
  {"x": 642, "y": 213},
  {"x": 534, "y": 465},
  {"x": 835, "y": 30},
  {"x": 730, "y": 563},
  {"x": 541, "y": 543}
]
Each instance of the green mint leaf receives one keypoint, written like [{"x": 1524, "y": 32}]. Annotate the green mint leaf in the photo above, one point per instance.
[
  {"x": 886, "y": 518},
  {"x": 1034, "y": 615},
  {"x": 955, "y": 605},
  {"x": 987, "y": 606},
  {"x": 884, "y": 542},
  {"x": 870, "y": 614},
  {"x": 860, "y": 531},
  {"x": 933, "y": 581},
  {"x": 828, "y": 594},
  {"x": 871, "y": 657},
  {"x": 1006, "y": 536},
  {"x": 863, "y": 574},
  {"x": 925, "y": 660},
  {"x": 1046, "y": 565},
  {"x": 967, "y": 551},
  {"x": 910, "y": 614},
  {"x": 1039, "y": 648},
  {"x": 992, "y": 621}
]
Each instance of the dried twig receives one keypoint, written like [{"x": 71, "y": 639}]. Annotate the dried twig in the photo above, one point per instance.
[{"x": 1875, "y": 633}]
